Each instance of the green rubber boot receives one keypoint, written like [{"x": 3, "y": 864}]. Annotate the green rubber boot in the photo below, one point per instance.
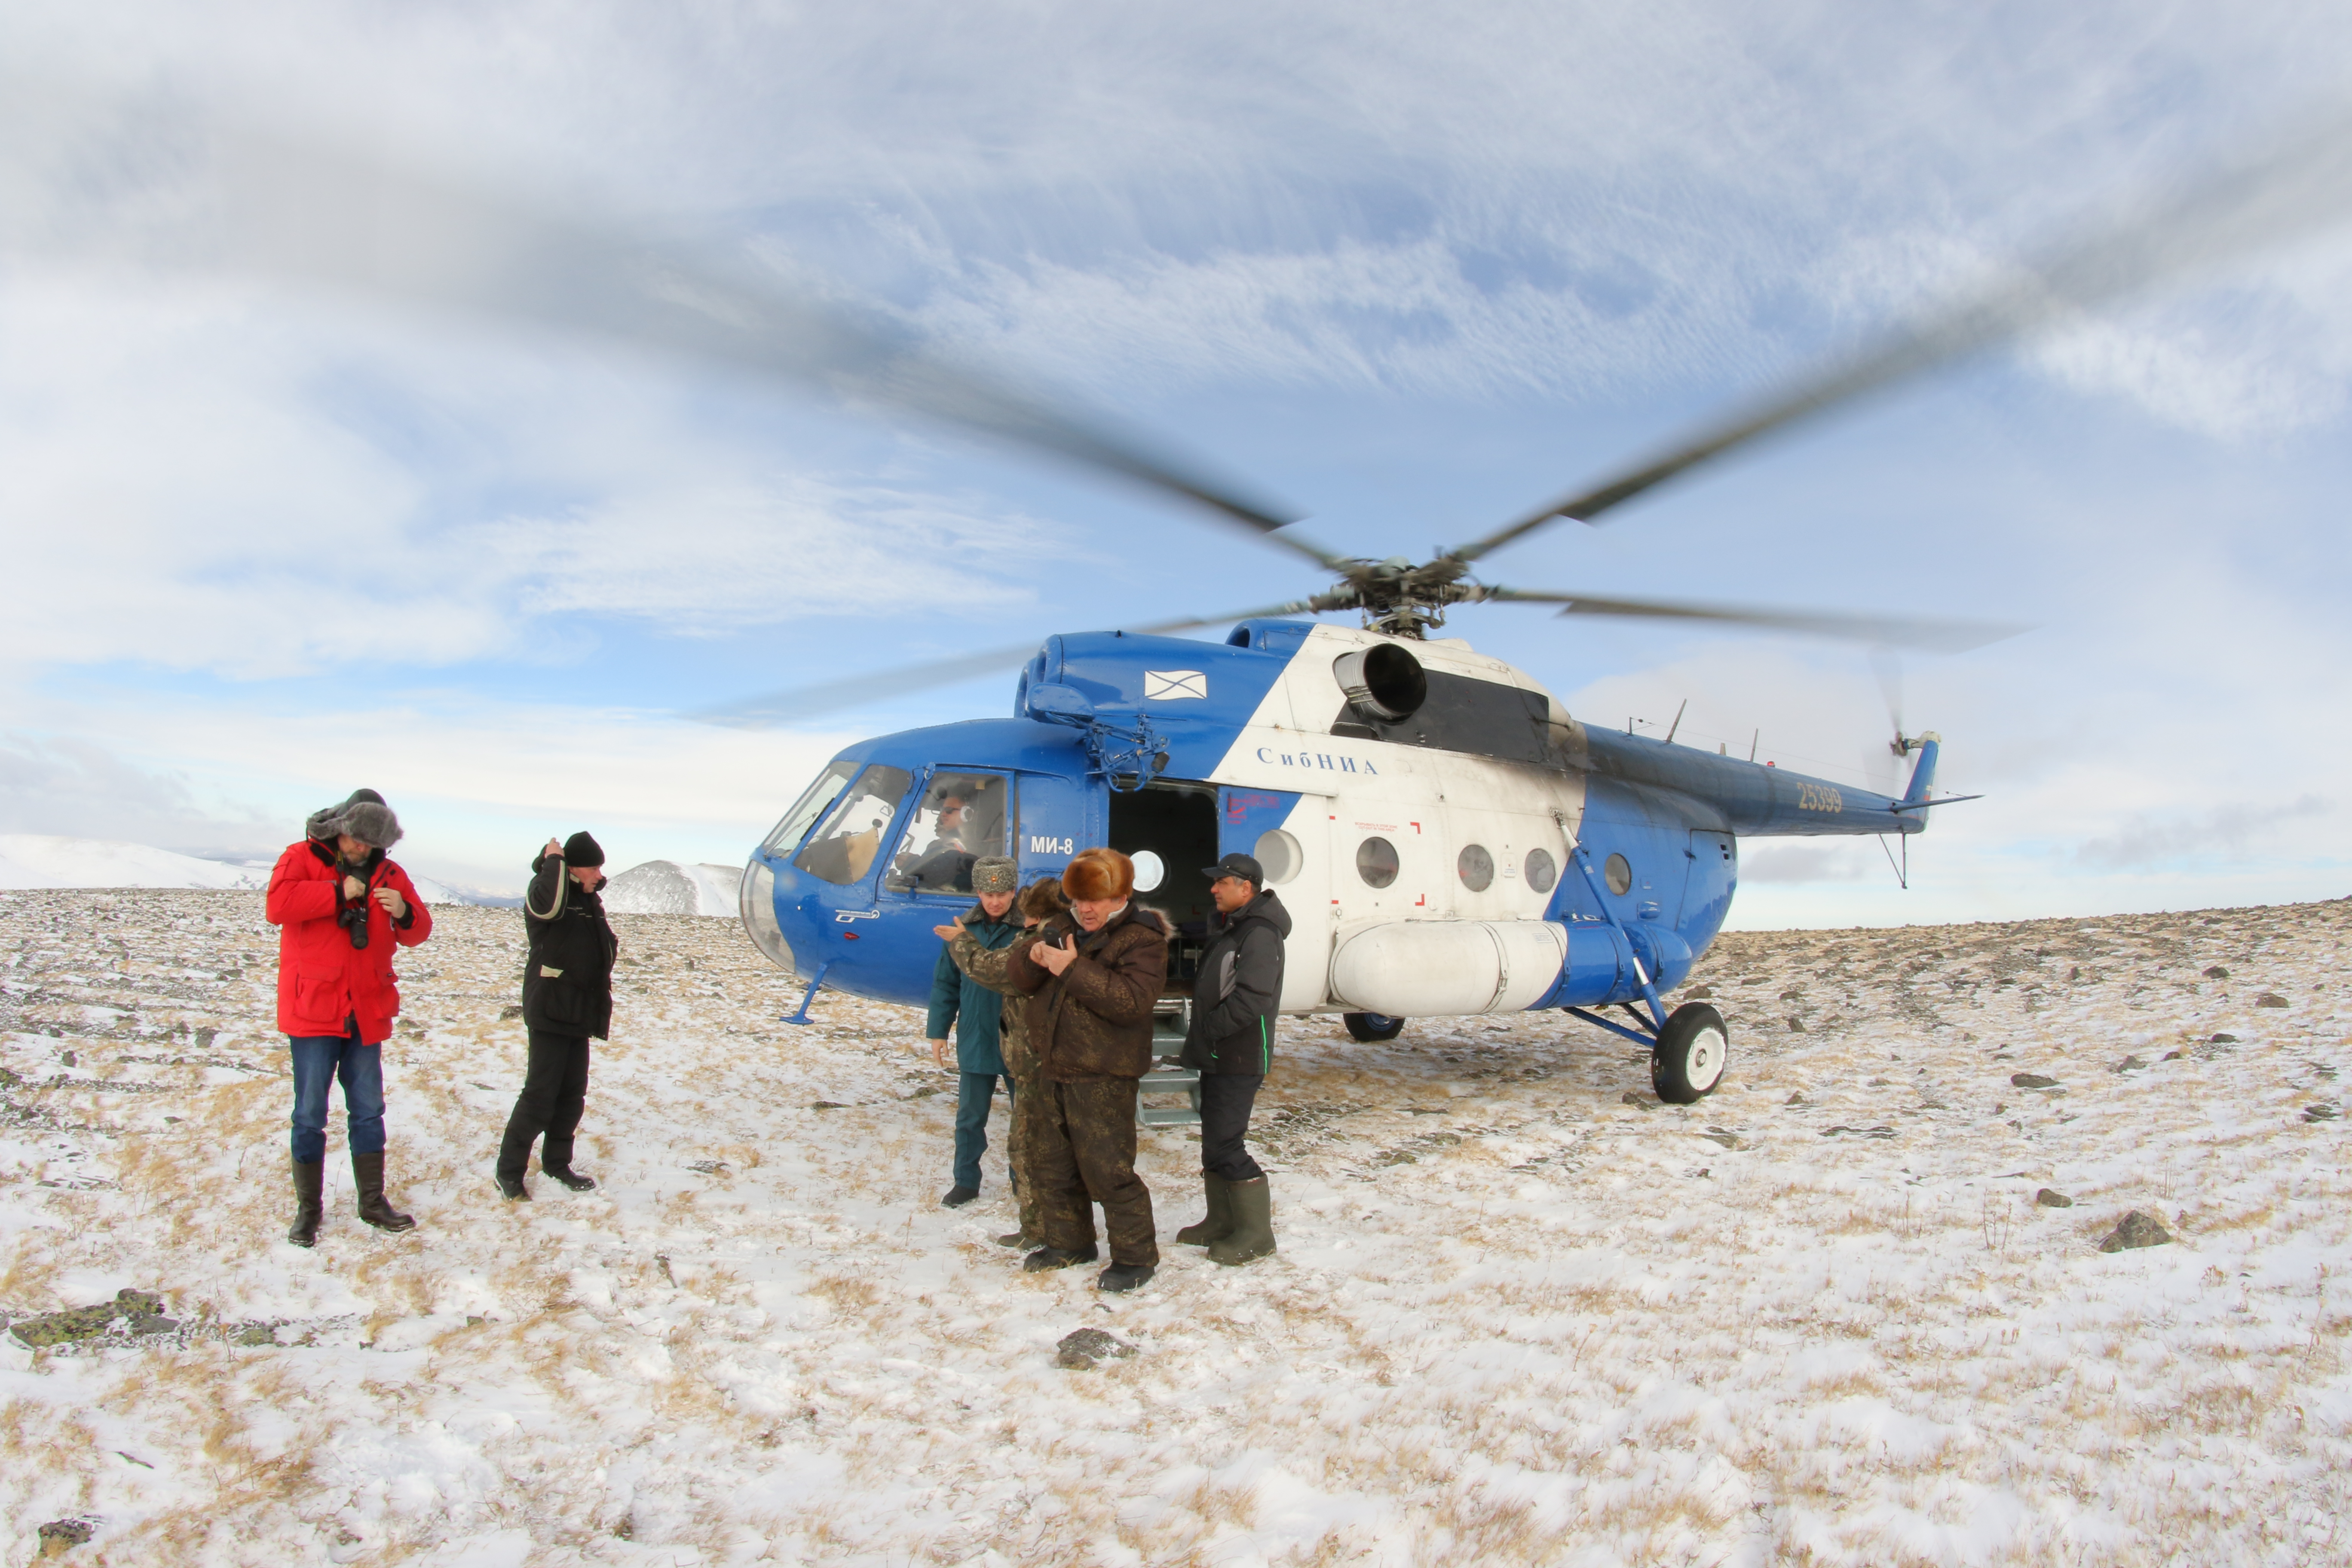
[
  {"x": 1252, "y": 1237},
  {"x": 1220, "y": 1222}
]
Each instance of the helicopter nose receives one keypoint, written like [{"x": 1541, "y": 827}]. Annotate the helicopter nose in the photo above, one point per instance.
[{"x": 756, "y": 900}]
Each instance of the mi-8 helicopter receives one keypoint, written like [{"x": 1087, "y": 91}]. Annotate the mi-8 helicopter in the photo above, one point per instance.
[{"x": 1449, "y": 838}]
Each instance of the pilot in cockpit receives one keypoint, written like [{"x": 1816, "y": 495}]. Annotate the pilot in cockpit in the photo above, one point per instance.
[
  {"x": 945, "y": 863},
  {"x": 950, "y": 827}
]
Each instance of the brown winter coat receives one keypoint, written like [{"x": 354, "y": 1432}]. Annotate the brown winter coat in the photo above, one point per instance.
[
  {"x": 1093, "y": 1020},
  {"x": 986, "y": 966}
]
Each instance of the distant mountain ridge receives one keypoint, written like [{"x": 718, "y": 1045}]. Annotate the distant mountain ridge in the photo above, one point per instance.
[
  {"x": 44, "y": 860},
  {"x": 674, "y": 888}
]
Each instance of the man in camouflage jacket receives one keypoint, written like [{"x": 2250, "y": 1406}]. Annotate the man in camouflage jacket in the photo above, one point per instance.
[{"x": 987, "y": 967}]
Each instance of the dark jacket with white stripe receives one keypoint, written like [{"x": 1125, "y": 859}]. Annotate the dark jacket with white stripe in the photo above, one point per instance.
[
  {"x": 567, "y": 983},
  {"x": 1238, "y": 1000}
]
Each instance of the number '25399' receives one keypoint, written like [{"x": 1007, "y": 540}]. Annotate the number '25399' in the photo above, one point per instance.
[{"x": 1819, "y": 798}]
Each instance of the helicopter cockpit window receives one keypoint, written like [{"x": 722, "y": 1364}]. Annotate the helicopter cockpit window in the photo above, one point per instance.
[
  {"x": 961, "y": 817},
  {"x": 813, "y": 800},
  {"x": 842, "y": 848}
]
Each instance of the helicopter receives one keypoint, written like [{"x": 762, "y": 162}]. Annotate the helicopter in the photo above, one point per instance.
[{"x": 1449, "y": 838}]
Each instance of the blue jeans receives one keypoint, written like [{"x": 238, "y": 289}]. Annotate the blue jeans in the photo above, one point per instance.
[
  {"x": 317, "y": 1059},
  {"x": 974, "y": 1095}
]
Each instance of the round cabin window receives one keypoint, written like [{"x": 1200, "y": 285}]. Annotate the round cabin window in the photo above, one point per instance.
[
  {"x": 1376, "y": 862},
  {"x": 1279, "y": 854},
  {"x": 1541, "y": 872},
  {"x": 1620, "y": 875},
  {"x": 1151, "y": 870},
  {"x": 1476, "y": 867}
]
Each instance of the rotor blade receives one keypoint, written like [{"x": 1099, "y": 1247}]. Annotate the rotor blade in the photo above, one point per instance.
[
  {"x": 85, "y": 174},
  {"x": 1943, "y": 636},
  {"x": 2296, "y": 187},
  {"x": 1885, "y": 664},
  {"x": 809, "y": 701}
]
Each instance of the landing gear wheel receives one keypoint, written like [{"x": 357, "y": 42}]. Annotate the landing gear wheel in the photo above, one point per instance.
[
  {"x": 1687, "y": 1062},
  {"x": 1371, "y": 1026}
]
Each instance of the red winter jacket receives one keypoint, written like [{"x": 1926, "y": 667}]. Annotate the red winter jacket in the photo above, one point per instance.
[{"x": 322, "y": 979}]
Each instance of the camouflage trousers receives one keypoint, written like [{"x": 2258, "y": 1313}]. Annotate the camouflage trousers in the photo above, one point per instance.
[
  {"x": 1020, "y": 1152},
  {"x": 1085, "y": 1154}
]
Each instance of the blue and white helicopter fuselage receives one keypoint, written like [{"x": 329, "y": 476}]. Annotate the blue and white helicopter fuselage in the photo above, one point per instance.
[{"x": 1448, "y": 839}]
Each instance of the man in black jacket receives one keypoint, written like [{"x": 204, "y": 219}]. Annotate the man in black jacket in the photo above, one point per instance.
[
  {"x": 1236, "y": 1001},
  {"x": 567, "y": 1000}
]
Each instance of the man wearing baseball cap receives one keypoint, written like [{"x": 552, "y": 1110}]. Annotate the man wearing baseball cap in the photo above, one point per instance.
[{"x": 1236, "y": 1001}]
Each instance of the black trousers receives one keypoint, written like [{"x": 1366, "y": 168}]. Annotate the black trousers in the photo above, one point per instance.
[
  {"x": 554, "y": 1092},
  {"x": 1225, "y": 1101}
]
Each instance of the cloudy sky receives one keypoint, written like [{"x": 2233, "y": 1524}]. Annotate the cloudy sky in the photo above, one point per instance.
[{"x": 1410, "y": 269}]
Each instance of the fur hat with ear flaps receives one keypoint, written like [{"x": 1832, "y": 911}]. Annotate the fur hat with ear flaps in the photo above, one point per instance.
[
  {"x": 995, "y": 874},
  {"x": 1099, "y": 874},
  {"x": 365, "y": 817}
]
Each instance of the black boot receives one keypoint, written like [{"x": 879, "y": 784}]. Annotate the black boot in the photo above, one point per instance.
[
  {"x": 367, "y": 1175},
  {"x": 959, "y": 1195},
  {"x": 567, "y": 1176},
  {"x": 1047, "y": 1257},
  {"x": 1216, "y": 1190},
  {"x": 1124, "y": 1276},
  {"x": 310, "y": 1182},
  {"x": 511, "y": 1188},
  {"x": 1252, "y": 1237}
]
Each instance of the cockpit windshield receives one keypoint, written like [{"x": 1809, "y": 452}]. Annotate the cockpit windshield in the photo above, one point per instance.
[
  {"x": 961, "y": 817},
  {"x": 814, "y": 799},
  {"x": 842, "y": 849}
]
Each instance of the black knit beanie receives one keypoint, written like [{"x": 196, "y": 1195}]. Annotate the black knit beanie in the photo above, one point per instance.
[{"x": 581, "y": 849}]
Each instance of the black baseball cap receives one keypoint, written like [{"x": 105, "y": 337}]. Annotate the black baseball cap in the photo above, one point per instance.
[{"x": 1242, "y": 866}]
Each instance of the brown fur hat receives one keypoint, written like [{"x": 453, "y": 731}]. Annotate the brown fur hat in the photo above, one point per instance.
[
  {"x": 1042, "y": 899},
  {"x": 1099, "y": 873}
]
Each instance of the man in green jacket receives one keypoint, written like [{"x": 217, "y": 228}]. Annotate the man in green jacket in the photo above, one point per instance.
[{"x": 975, "y": 1013}]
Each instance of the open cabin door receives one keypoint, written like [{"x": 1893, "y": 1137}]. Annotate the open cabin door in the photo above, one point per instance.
[{"x": 1168, "y": 828}]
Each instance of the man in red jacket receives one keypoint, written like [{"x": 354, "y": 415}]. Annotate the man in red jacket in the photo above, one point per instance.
[{"x": 340, "y": 907}]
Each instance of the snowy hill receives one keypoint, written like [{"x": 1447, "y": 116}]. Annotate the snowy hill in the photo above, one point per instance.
[
  {"x": 674, "y": 888},
  {"x": 42, "y": 860}
]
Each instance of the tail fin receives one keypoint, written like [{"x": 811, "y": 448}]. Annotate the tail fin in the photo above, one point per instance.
[{"x": 1922, "y": 773}]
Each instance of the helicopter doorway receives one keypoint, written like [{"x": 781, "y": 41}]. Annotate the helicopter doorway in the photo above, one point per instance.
[{"x": 1171, "y": 827}]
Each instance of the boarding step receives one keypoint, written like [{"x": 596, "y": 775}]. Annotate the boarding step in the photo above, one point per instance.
[{"x": 1169, "y": 1076}]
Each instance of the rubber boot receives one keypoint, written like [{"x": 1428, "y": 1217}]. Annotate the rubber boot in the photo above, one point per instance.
[
  {"x": 1252, "y": 1237},
  {"x": 309, "y": 1183},
  {"x": 367, "y": 1175},
  {"x": 568, "y": 1176},
  {"x": 1220, "y": 1222}
]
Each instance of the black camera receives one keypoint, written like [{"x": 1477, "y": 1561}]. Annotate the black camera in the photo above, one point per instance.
[{"x": 355, "y": 921}]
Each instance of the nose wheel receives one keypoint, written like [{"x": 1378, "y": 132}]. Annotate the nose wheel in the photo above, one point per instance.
[
  {"x": 1689, "y": 1060},
  {"x": 1371, "y": 1026}
]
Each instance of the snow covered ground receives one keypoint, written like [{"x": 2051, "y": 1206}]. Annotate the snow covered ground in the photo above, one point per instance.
[
  {"x": 674, "y": 887},
  {"x": 1519, "y": 1314},
  {"x": 45, "y": 860}
]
